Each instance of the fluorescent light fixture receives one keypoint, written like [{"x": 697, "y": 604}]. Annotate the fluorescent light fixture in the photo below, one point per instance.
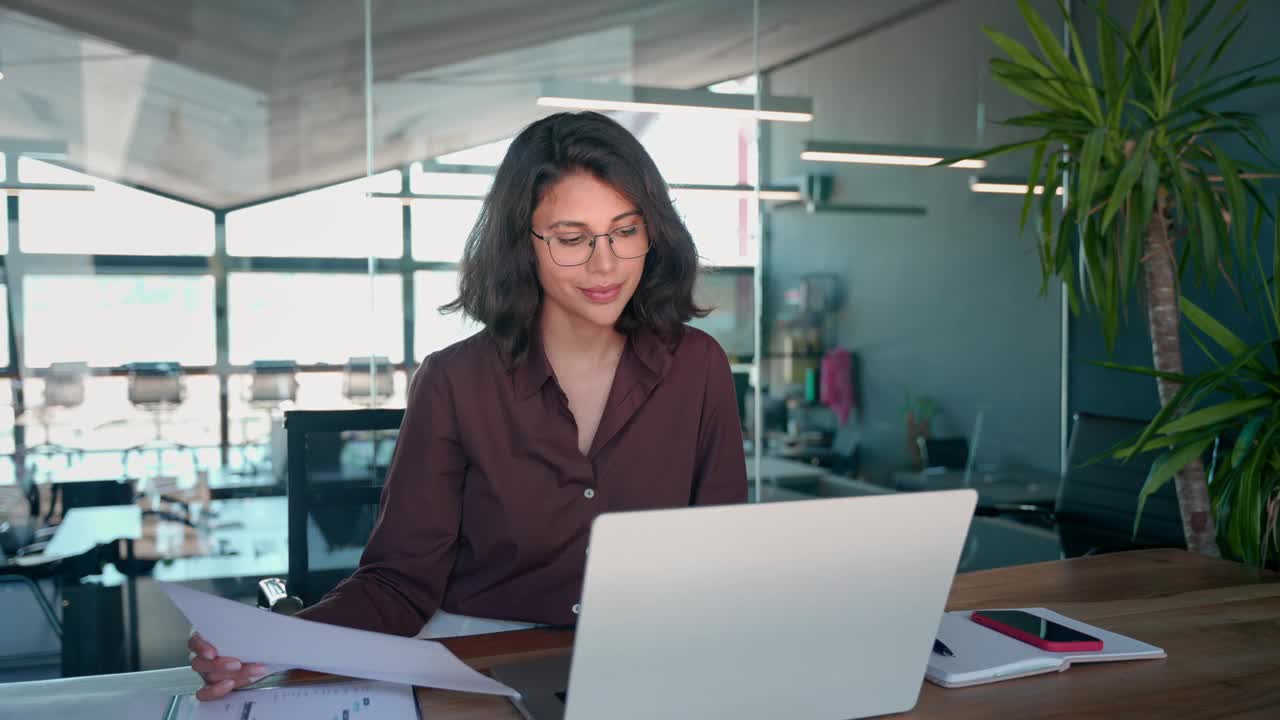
[
  {"x": 885, "y": 155},
  {"x": 1004, "y": 186},
  {"x": 633, "y": 98},
  {"x": 744, "y": 191}
]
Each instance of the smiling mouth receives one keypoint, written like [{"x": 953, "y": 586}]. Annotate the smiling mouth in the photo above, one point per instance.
[{"x": 602, "y": 293}]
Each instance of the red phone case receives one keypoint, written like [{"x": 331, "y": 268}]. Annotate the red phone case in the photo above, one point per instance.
[{"x": 1077, "y": 646}]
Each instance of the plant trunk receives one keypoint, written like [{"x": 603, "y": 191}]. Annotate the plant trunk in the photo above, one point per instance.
[{"x": 1164, "y": 321}]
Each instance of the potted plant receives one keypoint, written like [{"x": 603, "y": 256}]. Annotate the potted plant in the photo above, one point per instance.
[
  {"x": 1232, "y": 413},
  {"x": 1150, "y": 186},
  {"x": 918, "y": 413}
]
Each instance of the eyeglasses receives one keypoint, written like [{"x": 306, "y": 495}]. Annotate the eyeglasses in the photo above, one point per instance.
[{"x": 570, "y": 248}]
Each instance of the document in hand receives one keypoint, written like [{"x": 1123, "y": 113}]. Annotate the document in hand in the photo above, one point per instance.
[
  {"x": 282, "y": 642},
  {"x": 982, "y": 655}
]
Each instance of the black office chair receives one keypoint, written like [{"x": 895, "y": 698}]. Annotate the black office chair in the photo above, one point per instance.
[
  {"x": 335, "y": 477},
  {"x": 31, "y": 634},
  {"x": 1098, "y": 498}
]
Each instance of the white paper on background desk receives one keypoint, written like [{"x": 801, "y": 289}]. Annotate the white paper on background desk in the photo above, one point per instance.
[
  {"x": 353, "y": 701},
  {"x": 281, "y": 642}
]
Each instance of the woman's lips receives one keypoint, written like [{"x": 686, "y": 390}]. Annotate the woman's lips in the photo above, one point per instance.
[{"x": 602, "y": 293}]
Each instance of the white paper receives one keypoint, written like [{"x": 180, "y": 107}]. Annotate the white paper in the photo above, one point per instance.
[
  {"x": 342, "y": 701},
  {"x": 256, "y": 635}
]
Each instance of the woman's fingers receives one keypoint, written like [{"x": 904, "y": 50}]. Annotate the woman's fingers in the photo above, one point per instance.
[
  {"x": 225, "y": 665},
  {"x": 201, "y": 647},
  {"x": 213, "y": 692},
  {"x": 218, "y": 684}
]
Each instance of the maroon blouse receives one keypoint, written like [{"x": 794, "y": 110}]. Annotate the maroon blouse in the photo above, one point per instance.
[{"x": 488, "y": 502}]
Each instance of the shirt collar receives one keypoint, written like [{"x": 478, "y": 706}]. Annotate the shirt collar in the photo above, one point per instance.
[{"x": 654, "y": 353}]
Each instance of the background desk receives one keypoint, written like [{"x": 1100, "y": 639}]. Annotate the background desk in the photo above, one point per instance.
[
  {"x": 1219, "y": 622},
  {"x": 1008, "y": 487}
]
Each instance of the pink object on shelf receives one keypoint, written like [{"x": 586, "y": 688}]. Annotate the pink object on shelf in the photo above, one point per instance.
[{"x": 837, "y": 383}]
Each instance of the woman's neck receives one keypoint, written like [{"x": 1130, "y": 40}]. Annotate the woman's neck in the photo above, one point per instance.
[{"x": 566, "y": 339}]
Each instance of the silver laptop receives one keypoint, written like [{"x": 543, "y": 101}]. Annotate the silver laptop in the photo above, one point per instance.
[{"x": 817, "y": 609}]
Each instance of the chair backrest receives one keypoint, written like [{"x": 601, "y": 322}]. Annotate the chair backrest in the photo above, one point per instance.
[
  {"x": 156, "y": 384},
  {"x": 742, "y": 388},
  {"x": 364, "y": 388},
  {"x": 64, "y": 384},
  {"x": 1098, "y": 498},
  {"x": 30, "y": 635},
  {"x": 273, "y": 382},
  {"x": 334, "y": 484}
]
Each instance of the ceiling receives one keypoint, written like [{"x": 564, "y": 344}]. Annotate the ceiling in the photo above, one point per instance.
[{"x": 229, "y": 102}]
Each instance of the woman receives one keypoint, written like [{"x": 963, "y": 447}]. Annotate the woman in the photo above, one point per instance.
[{"x": 586, "y": 393}]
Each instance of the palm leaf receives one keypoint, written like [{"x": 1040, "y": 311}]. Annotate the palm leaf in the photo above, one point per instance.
[
  {"x": 1037, "y": 163},
  {"x": 1246, "y": 439},
  {"x": 1215, "y": 414},
  {"x": 1228, "y": 340},
  {"x": 1163, "y": 470},
  {"x": 1128, "y": 176}
]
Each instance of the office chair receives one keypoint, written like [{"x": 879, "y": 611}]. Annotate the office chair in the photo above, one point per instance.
[
  {"x": 339, "y": 505},
  {"x": 157, "y": 388},
  {"x": 364, "y": 388},
  {"x": 1098, "y": 498},
  {"x": 63, "y": 390},
  {"x": 272, "y": 385},
  {"x": 31, "y": 634}
]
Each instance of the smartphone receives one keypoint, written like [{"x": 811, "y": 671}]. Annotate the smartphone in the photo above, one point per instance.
[{"x": 1037, "y": 631}]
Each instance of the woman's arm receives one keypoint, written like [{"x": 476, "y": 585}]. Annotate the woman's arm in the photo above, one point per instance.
[
  {"x": 721, "y": 474},
  {"x": 401, "y": 579}
]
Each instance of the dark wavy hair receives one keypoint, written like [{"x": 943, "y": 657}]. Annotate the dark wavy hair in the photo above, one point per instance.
[{"x": 499, "y": 280}]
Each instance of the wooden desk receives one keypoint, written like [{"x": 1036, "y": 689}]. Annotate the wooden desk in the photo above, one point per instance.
[{"x": 1219, "y": 622}]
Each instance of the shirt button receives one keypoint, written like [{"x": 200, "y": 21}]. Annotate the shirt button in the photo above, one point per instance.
[
  {"x": 588, "y": 493},
  {"x": 577, "y": 608}
]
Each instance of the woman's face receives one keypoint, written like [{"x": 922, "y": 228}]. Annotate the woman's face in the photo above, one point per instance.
[{"x": 570, "y": 212}]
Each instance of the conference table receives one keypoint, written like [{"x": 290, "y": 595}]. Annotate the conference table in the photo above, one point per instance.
[{"x": 1218, "y": 621}]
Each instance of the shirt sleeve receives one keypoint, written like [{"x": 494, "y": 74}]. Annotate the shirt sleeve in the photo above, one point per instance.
[
  {"x": 721, "y": 475},
  {"x": 405, "y": 565}
]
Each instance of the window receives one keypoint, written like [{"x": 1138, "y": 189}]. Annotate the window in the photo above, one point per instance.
[
  {"x": 725, "y": 227},
  {"x": 114, "y": 219},
  {"x": 339, "y": 221},
  {"x": 314, "y": 318},
  {"x": 487, "y": 154},
  {"x": 441, "y": 226},
  {"x": 6, "y": 426},
  {"x": 111, "y": 422},
  {"x": 4, "y": 328},
  {"x": 730, "y": 295},
  {"x": 316, "y": 391},
  {"x": 433, "y": 330},
  {"x": 4, "y": 221},
  {"x": 701, "y": 149},
  {"x": 4, "y": 210},
  {"x": 110, "y": 320}
]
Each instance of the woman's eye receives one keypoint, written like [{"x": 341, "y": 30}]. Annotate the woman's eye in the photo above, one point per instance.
[
  {"x": 627, "y": 231},
  {"x": 572, "y": 240}
]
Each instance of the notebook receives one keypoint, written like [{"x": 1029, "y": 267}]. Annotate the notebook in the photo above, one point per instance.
[{"x": 983, "y": 655}]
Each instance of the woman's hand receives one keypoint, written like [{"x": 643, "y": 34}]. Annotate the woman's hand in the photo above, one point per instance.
[{"x": 221, "y": 674}]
